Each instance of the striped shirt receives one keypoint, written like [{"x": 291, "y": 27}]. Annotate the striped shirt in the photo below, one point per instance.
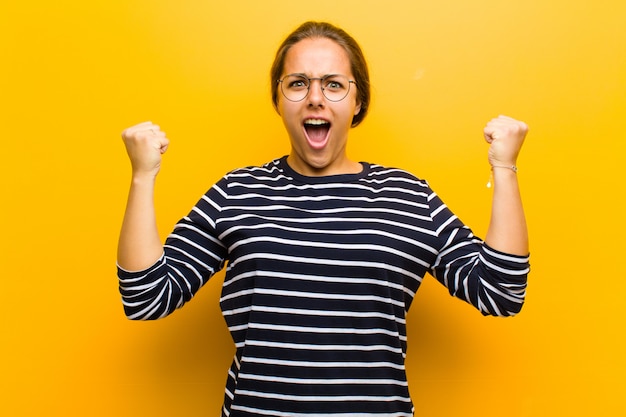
[{"x": 321, "y": 272}]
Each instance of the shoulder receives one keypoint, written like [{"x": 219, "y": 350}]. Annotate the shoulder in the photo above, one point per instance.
[
  {"x": 398, "y": 176},
  {"x": 253, "y": 177},
  {"x": 269, "y": 169}
]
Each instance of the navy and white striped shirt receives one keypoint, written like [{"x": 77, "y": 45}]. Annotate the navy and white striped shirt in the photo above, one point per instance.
[{"x": 321, "y": 273}]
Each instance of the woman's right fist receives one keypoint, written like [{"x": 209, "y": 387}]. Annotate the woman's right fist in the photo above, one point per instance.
[{"x": 145, "y": 143}]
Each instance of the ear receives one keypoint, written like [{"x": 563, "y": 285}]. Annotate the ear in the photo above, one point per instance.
[
  {"x": 357, "y": 109},
  {"x": 276, "y": 107}
]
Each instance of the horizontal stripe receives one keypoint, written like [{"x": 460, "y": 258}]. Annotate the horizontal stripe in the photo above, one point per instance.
[
  {"x": 324, "y": 330},
  {"x": 346, "y": 221},
  {"x": 311, "y": 381},
  {"x": 327, "y": 262},
  {"x": 312, "y": 347},
  {"x": 300, "y": 311},
  {"x": 313, "y": 279},
  {"x": 261, "y": 412},
  {"x": 328, "y": 364},
  {"x": 323, "y": 296},
  {"x": 331, "y": 245},
  {"x": 311, "y": 398}
]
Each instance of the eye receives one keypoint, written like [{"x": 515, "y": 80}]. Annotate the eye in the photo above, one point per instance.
[
  {"x": 335, "y": 83},
  {"x": 297, "y": 83},
  {"x": 294, "y": 82}
]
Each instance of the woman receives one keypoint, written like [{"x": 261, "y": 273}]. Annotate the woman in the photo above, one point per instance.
[{"x": 324, "y": 253}]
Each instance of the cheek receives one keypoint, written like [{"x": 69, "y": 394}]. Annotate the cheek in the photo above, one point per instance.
[
  {"x": 283, "y": 107},
  {"x": 288, "y": 111},
  {"x": 289, "y": 119}
]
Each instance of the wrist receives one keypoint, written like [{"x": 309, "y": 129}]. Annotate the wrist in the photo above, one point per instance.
[
  {"x": 512, "y": 167},
  {"x": 143, "y": 178},
  {"x": 506, "y": 170}
]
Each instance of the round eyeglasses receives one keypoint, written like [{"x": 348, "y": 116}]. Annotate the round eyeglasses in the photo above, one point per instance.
[{"x": 335, "y": 87}]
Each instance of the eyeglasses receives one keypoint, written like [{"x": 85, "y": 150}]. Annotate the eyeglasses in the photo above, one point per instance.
[{"x": 335, "y": 87}]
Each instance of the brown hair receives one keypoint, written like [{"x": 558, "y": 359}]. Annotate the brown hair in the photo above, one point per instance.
[{"x": 358, "y": 64}]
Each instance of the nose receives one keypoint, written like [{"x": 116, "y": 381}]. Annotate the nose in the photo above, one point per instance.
[{"x": 315, "y": 96}]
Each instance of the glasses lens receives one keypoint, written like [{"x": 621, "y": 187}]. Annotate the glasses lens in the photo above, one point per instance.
[
  {"x": 335, "y": 87},
  {"x": 295, "y": 87}
]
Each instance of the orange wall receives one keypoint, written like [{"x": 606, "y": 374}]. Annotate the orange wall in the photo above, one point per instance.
[{"x": 73, "y": 74}]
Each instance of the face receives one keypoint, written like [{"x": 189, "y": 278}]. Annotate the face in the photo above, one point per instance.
[{"x": 318, "y": 128}]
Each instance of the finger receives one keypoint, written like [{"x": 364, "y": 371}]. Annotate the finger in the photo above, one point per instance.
[
  {"x": 490, "y": 133},
  {"x": 504, "y": 117},
  {"x": 138, "y": 127},
  {"x": 164, "y": 145},
  {"x": 141, "y": 128},
  {"x": 506, "y": 121},
  {"x": 158, "y": 133},
  {"x": 153, "y": 129}
]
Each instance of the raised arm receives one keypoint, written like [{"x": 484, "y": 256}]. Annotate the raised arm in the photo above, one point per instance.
[
  {"x": 507, "y": 229},
  {"x": 139, "y": 244}
]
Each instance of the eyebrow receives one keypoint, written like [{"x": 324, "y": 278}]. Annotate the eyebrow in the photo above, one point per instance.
[{"x": 301, "y": 74}]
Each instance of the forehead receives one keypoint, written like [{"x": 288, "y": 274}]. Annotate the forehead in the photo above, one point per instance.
[{"x": 317, "y": 57}]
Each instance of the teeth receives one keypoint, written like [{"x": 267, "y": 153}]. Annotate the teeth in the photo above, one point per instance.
[{"x": 316, "y": 122}]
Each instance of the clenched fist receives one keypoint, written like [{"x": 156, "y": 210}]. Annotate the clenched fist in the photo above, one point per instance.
[
  {"x": 506, "y": 136},
  {"x": 145, "y": 143}
]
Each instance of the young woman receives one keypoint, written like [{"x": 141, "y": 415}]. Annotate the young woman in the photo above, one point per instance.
[{"x": 324, "y": 253}]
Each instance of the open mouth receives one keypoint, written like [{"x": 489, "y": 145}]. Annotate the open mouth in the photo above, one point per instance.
[{"x": 317, "y": 132}]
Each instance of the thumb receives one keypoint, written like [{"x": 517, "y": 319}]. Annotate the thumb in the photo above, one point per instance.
[{"x": 163, "y": 143}]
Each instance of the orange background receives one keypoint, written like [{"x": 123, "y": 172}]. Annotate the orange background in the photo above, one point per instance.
[{"x": 73, "y": 74}]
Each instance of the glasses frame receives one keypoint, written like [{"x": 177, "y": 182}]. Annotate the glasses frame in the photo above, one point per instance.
[{"x": 310, "y": 82}]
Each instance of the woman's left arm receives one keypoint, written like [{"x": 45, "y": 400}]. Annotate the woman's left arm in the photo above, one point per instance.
[{"x": 507, "y": 228}]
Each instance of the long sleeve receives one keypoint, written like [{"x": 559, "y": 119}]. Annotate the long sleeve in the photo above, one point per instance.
[
  {"x": 191, "y": 255},
  {"x": 494, "y": 282}
]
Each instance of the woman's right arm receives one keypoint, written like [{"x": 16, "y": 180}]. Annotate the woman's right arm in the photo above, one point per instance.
[{"x": 140, "y": 245}]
